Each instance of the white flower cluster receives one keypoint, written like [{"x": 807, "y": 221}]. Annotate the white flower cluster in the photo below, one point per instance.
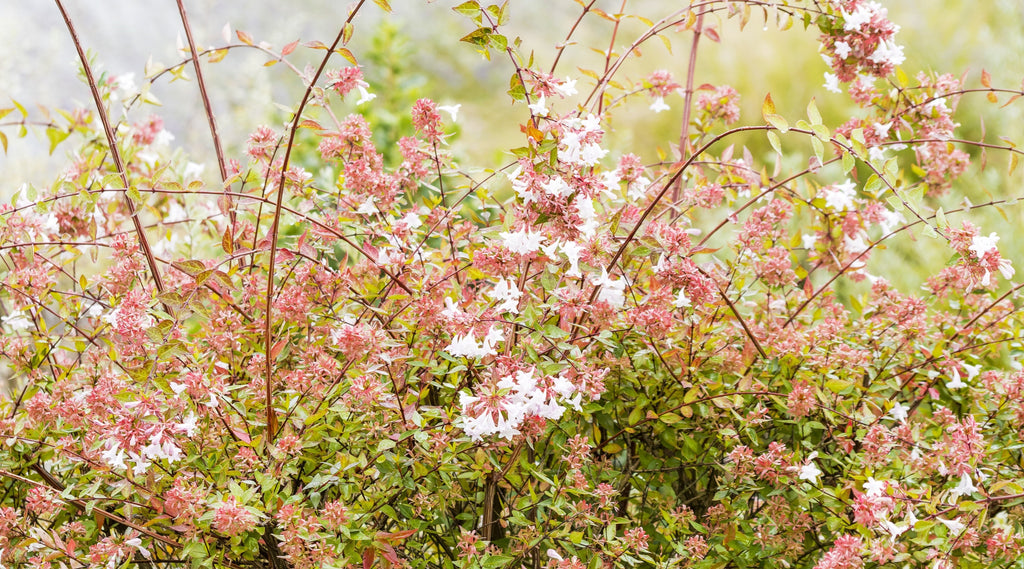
[
  {"x": 159, "y": 447},
  {"x": 467, "y": 346},
  {"x": 520, "y": 397},
  {"x": 572, "y": 149}
]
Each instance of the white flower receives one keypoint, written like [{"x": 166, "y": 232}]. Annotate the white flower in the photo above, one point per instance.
[
  {"x": 452, "y": 110},
  {"x": 612, "y": 292},
  {"x": 957, "y": 383},
  {"x": 899, "y": 412},
  {"x": 874, "y": 487},
  {"x": 94, "y": 311},
  {"x": 367, "y": 207},
  {"x": 964, "y": 488},
  {"x": 494, "y": 335},
  {"x": 411, "y": 221},
  {"x": 17, "y": 322},
  {"x": 889, "y": 220},
  {"x": 567, "y": 88},
  {"x": 954, "y": 526},
  {"x": 111, "y": 317},
  {"x": 137, "y": 544},
  {"x": 855, "y": 245},
  {"x": 839, "y": 197},
  {"x": 554, "y": 555},
  {"x": 893, "y": 529},
  {"x": 972, "y": 371},
  {"x": 588, "y": 215},
  {"x": 862, "y": 15},
  {"x": 507, "y": 292},
  {"x": 451, "y": 310},
  {"x": 808, "y": 240},
  {"x": 592, "y": 153},
  {"x": 124, "y": 87},
  {"x": 637, "y": 190},
  {"x": 882, "y": 129},
  {"x": 681, "y": 300},
  {"x": 189, "y": 426},
  {"x": 141, "y": 464},
  {"x": 888, "y": 52},
  {"x": 981, "y": 244},
  {"x": 610, "y": 179},
  {"x": 465, "y": 346},
  {"x": 832, "y": 83},
  {"x": 364, "y": 95},
  {"x": 659, "y": 105},
  {"x": 114, "y": 457},
  {"x": 556, "y": 187},
  {"x": 842, "y": 49},
  {"x": 523, "y": 242},
  {"x": 572, "y": 251},
  {"x": 538, "y": 108},
  {"x": 163, "y": 138},
  {"x": 810, "y": 472}
]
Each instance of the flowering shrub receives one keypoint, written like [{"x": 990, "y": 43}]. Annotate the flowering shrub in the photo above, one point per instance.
[{"x": 349, "y": 350}]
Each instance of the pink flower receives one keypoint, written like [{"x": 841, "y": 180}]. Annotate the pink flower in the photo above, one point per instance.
[{"x": 231, "y": 518}]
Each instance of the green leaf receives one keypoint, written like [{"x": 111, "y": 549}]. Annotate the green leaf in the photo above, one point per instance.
[
  {"x": 819, "y": 149},
  {"x": 838, "y": 385},
  {"x": 812, "y": 113},
  {"x": 55, "y": 136},
  {"x": 134, "y": 195},
  {"x": 495, "y": 561},
  {"x": 768, "y": 107},
  {"x": 670, "y": 418},
  {"x": 773, "y": 139},
  {"x": 848, "y": 162},
  {"x": 470, "y": 9},
  {"x": 191, "y": 268},
  {"x": 778, "y": 122},
  {"x": 478, "y": 37}
]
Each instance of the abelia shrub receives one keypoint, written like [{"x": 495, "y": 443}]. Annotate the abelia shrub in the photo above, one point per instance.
[{"x": 350, "y": 350}]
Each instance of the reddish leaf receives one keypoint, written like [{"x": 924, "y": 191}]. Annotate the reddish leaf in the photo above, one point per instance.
[
  {"x": 276, "y": 350},
  {"x": 244, "y": 37},
  {"x": 289, "y": 48},
  {"x": 368, "y": 555},
  {"x": 986, "y": 79},
  {"x": 396, "y": 536}
]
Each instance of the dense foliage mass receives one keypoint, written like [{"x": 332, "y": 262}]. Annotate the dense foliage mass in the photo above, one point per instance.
[{"x": 345, "y": 349}]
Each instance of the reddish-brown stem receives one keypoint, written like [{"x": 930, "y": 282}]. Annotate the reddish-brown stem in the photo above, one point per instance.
[
  {"x": 684, "y": 134},
  {"x": 210, "y": 117},
  {"x": 81, "y": 505},
  {"x": 114, "y": 152},
  {"x": 269, "y": 396},
  {"x": 611, "y": 48},
  {"x": 568, "y": 36}
]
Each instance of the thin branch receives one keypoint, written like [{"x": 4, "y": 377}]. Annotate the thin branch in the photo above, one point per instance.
[
  {"x": 114, "y": 151},
  {"x": 269, "y": 399}
]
